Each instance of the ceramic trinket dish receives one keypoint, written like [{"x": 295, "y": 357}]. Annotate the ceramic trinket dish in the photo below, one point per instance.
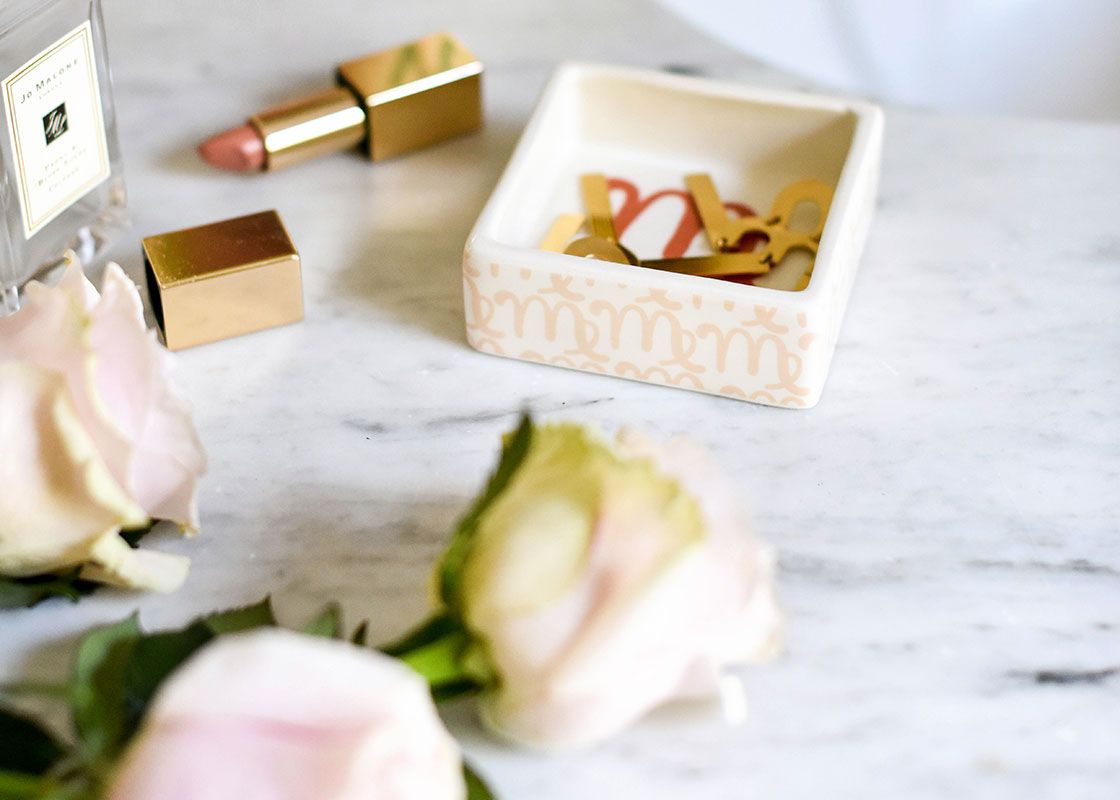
[{"x": 763, "y": 341}]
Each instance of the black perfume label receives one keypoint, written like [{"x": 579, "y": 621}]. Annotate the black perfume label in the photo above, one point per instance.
[{"x": 55, "y": 123}]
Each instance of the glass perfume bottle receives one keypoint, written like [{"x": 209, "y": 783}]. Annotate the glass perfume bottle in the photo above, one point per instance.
[{"x": 62, "y": 188}]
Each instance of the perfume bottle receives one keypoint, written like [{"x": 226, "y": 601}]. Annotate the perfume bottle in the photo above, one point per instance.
[{"x": 62, "y": 189}]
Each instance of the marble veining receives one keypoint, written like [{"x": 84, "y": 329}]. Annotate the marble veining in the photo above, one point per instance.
[{"x": 946, "y": 517}]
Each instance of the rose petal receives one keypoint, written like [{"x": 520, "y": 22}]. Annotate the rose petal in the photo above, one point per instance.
[
  {"x": 134, "y": 377},
  {"x": 52, "y": 331},
  {"x": 112, "y": 561},
  {"x": 278, "y": 715},
  {"x": 751, "y": 622},
  {"x": 58, "y": 497},
  {"x": 74, "y": 281},
  {"x": 669, "y": 590},
  {"x": 123, "y": 414}
]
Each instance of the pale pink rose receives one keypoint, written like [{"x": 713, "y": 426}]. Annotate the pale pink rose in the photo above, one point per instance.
[
  {"x": 277, "y": 715},
  {"x": 607, "y": 580},
  {"x": 95, "y": 437}
]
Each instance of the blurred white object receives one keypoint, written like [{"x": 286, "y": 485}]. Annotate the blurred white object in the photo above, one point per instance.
[
  {"x": 276, "y": 715},
  {"x": 1034, "y": 57}
]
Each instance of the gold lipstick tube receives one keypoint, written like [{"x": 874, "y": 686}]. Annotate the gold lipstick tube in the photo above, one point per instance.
[
  {"x": 391, "y": 102},
  {"x": 294, "y": 132}
]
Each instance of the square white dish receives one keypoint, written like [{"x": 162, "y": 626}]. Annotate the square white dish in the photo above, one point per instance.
[{"x": 646, "y": 131}]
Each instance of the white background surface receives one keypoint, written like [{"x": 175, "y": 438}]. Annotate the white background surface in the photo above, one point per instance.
[
  {"x": 1017, "y": 56},
  {"x": 946, "y": 518}
]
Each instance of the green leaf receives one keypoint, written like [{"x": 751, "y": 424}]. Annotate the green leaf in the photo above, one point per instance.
[
  {"x": 430, "y": 631},
  {"x": 448, "y": 667},
  {"x": 49, "y": 691},
  {"x": 152, "y": 658},
  {"x": 134, "y": 535},
  {"x": 15, "y": 785},
  {"x": 14, "y": 594},
  {"x": 360, "y": 634},
  {"x": 28, "y": 592},
  {"x": 99, "y": 685},
  {"x": 120, "y": 669},
  {"x": 441, "y": 661},
  {"x": 456, "y": 690},
  {"x": 476, "y": 787},
  {"x": 27, "y": 747},
  {"x": 94, "y": 648},
  {"x": 258, "y": 615},
  {"x": 441, "y": 651},
  {"x": 514, "y": 450},
  {"x": 327, "y": 623}
]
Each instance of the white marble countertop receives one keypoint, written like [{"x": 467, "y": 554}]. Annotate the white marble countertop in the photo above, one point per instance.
[{"x": 946, "y": 518}]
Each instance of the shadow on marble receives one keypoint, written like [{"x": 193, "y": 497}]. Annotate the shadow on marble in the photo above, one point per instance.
[
  {"x": 414, "y": 272},
  {"x": 183, "y": 159},
  {"x": 372, "y": 555}
]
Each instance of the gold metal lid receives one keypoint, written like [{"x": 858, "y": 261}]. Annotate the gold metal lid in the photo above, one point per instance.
[
  {"x": 223, "y": 279},
  {"x": 417, "y": 94}
]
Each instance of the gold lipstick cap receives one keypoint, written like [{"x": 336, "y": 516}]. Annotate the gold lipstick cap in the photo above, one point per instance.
[
  {"x": 417, "y": 94},
  {"x": 223, "y": 279}
]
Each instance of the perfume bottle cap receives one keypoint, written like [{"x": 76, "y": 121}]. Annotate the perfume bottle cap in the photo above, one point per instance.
[
  {"x": 417, "y": 94},
  {"x": 223, "y": 279}
]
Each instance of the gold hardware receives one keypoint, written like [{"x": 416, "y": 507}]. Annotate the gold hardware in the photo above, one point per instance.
[
  {"x": 223, "y": 279},
  {"x": 325, "y": 123},
  {"x": 416, "y": 94},
  {"x": 564, "y": 228},
  {"x": 724, "y": 233},
  {"x": 717, "y": 265},
  {"x": 603, "y": 242}
]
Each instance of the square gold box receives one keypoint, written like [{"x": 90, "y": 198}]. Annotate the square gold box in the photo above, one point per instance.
[{"x": 224, "y": 279}]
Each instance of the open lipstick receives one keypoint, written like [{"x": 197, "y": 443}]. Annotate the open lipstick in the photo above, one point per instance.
[{"x": 389, "y": 103}]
